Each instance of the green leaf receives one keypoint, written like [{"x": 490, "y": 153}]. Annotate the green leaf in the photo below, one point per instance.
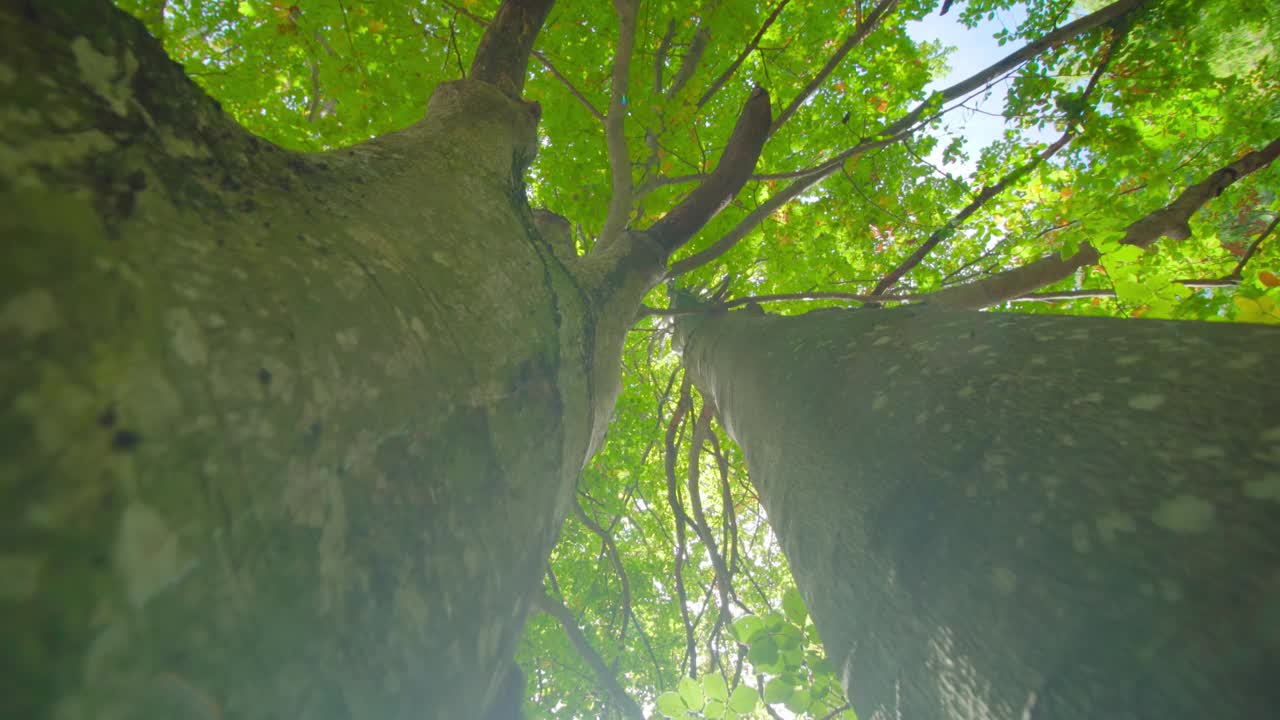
[
  {"x": 743, "y": 699},
  {"x": 799, "y": 701},
  {"x": 714, "y": 709},
  {"x": 1131, "y": 291},
  {"x": 789, "y": 637},
  {"x": 671, "y": 705},
  {"x": 793, "y": 606},
  {"x": 778, "y": 690},
  {"x": 691, "y": 693},
  {"x": 715, "y": 688},
  {"x": 763, "y": 652},
  {"x": 1124, "y": 254},
  {"x": 745, "y": 629}
]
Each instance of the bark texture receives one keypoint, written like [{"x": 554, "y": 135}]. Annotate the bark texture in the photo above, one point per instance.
[
  {"x": 285, "y": 436},
  {"x": 1018, "y": 517}
]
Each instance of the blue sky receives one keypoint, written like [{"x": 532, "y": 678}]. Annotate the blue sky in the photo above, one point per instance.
[{"x": 975, "y": 50}]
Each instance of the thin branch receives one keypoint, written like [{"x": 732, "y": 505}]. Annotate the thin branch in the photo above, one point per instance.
[
  {"x": 502, "y": 58},
  {"x": 1170, "y": 221},
  {"x": 898, "y": 130},
  {"x": 680, "y": 519},
  {"x": 702, "y": 428},
  {"x": 646, "y": 311},
  {"x": 742, "y": 56},
  {"x": 611, "y": 549},
  {"x": 736, "y": 163},
  {"x": 1065, "y": 295},
  {"x": 615, "y": 124},
  {"x": 689, "y": 64},
  {"x": 572, "y": 90},
  {"x": 724, "y": 582},
  {"x": 1105, "y": 16},
  {"x": 860, "y": 33},
  {"x": 604, "y": 676},
  {"x": 767, "y": 208},
  {"x": 453, "y": 43},
  {"x": 949, "y": 227},
  {"x": 1253, "y": 247},
  {"x": 313, "y": 108},
  {"x": 832, "y": 715},
  {"x": 660, "y": 57}
]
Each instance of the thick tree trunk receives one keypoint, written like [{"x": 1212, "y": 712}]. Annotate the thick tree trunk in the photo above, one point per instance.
[
  {"x": 999, "y": 516},
  {"x": 285, "y": 436}
]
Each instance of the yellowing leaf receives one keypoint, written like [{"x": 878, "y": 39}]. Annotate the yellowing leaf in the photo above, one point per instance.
[
  {"x": 1258, "y": 310},
  {"x": 377, "y": 26}
]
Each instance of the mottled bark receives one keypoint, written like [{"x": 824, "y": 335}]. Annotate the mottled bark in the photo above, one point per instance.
[
  {"x": 1018, "y": 517},
  {"x": 502, "y": 59},
  {"x": 285, "y": 436}
]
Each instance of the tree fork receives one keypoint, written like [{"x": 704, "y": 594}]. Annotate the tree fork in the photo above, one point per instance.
[{"x": 277, "y": 442}]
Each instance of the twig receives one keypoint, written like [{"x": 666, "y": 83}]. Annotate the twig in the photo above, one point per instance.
[
  {"x": 860, "y": 33},
  {"x": 1253, "y": 247},
  {"x": 611, "y": 549},
  {"x": 746, "y": 52},
  {"x": 949, "y": 227}
]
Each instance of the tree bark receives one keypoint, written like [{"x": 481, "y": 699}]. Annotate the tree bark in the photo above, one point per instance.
[
  {"x": 1012, "y": 517},
  {"x": 285, "y": 436}
]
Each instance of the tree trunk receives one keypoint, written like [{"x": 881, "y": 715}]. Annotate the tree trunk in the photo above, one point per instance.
[
  {"x": 285, "y": 436},
  {"x": 1001, "y": 516}
]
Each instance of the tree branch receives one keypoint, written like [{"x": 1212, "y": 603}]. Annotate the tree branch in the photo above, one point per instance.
[
  {"x": 722, "y": 584},
  {"x": 689, "y": 64},
  {"x": 898, "y": 130},
  {"x": 1073, "y": 124},
  {"x": 1064, "y": 295},
  {"x": 731, "y": 173},
  {"x": 860, "y": 33},
  {"x": 680, "y": 518},
  {"x": 1172, "y": 221},
  {"x": 767, "y": 208},
  {"x": 541, "y": 58},
  {"x": 660, "y": 57},
  {"x": 949, "y": 227},
  {"x": 572, "y": 90},
  {"x": 502, "y": 59},
  {"x": 611, "y": 549},
  {"x": 615, "y": 124},
  {"x": 1105, "y": 16},
  {"x": 1253, "y": 247},
  {"x": 742, "y": 56},
  {"x": 646, "y": 311},
  {"x": 604, "y": 676}
]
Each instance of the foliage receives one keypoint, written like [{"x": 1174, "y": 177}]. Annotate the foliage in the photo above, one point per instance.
[{"x": 1149, "y": 106}]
